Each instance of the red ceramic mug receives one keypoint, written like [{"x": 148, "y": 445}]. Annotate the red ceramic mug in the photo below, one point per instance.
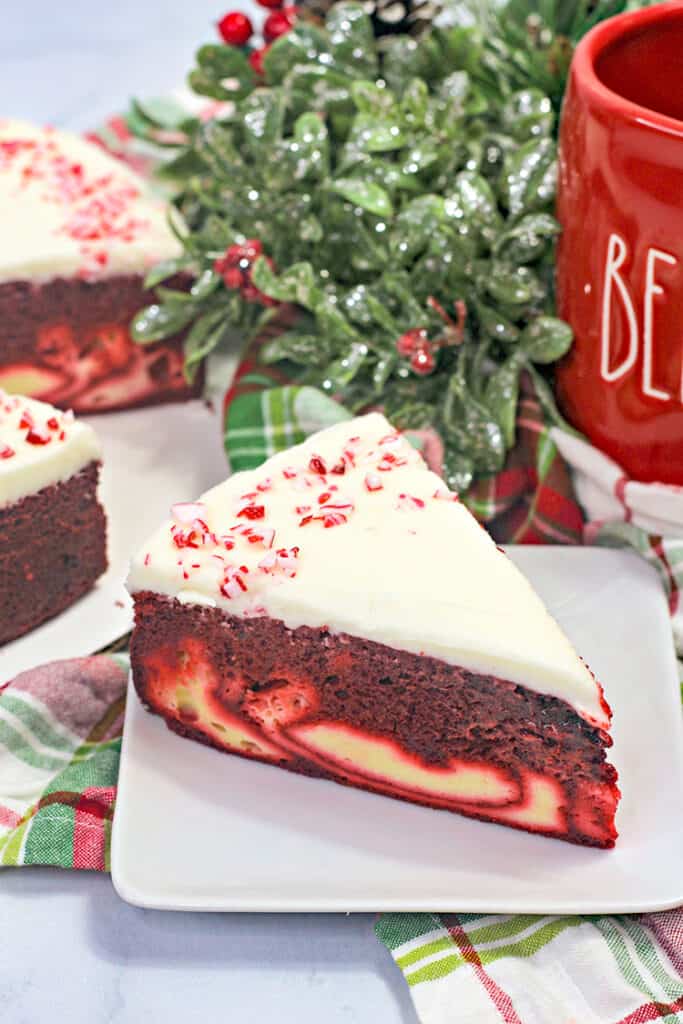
[{"x": 620, "y": 256}]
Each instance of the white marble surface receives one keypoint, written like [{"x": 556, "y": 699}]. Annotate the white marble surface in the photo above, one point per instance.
[{"x": 70, "y": 949}]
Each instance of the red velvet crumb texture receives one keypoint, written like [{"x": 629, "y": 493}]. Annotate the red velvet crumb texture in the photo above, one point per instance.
[
  {"x": 52, "y": 550},
  {"x": 74, "y": 334}
]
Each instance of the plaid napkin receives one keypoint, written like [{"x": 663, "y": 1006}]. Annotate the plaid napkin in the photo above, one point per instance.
[
  {"x": 60, "y": 741},
  {"x": 60, "y": 730}
]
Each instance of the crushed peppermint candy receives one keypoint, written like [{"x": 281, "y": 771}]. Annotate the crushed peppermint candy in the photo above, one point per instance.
[
  {"x": 233, "y": 584},
  {"x": 362, "y": 464},
  {"x": 390, "y": 461},
  {"x": 189, "y": 511},
  {"x": 94, "y": 208},
  {"x": 409, "y": 501},
  {"x": 252, "y": 512},
  {"x": 281, "y": 561},
  {"x": 23, "y": 424}
]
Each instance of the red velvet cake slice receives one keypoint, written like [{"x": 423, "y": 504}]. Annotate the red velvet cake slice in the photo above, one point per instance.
[
  {"x": 79, "y": 231},
  {"x": 52, "y": 527},
  {"x": 339, "y": 613}
]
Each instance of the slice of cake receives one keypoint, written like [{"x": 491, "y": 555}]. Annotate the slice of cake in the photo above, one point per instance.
[
  {"x": 338, "y": 612},
  {"x": 52, "y": 527},
  {"x": 79, "y": 231}
]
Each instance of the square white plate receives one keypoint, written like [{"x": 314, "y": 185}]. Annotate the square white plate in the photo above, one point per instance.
[{"x": 198, "y": 830}]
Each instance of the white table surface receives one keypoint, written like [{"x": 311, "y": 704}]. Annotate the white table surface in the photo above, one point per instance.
[{"x": 71, "y": 950}]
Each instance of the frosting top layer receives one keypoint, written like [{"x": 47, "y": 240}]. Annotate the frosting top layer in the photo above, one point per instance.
[
  {"x": 351, "y": 531},
  {"x": 40, "y": 446},
  {"x": 68, "y": 208}
]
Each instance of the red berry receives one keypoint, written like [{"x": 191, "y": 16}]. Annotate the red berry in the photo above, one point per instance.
[
  {"x": 235, "y": 28},
  {"x": 251, "y": 249},
  {"x": 233, "y": 277},
  {"x": 272, "y": 4},
  {"x": 256, "y": 59},
  {"x": 411, "y": 341},
  {"x": 423, "y": 362},
  {"x": 278, "y": 23}
]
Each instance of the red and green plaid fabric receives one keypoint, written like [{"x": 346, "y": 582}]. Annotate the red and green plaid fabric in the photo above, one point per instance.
[{"x": 60, "y": 741}]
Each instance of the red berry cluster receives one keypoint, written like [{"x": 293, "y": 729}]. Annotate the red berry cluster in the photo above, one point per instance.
[
  {"x": 415, "y": 345},
  {"x": 235, "y": 267},
  {"x": 236, "y": 29}
]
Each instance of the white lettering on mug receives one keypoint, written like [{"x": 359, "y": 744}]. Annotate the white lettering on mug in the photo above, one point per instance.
[
  {"x": 652, "y": 289},
  {"x": 617, "y": 252}
]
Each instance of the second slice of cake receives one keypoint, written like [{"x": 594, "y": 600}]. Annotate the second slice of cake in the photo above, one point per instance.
[
  {"x": 52, "y": 526},
  {"x": 339, "y": 613}
]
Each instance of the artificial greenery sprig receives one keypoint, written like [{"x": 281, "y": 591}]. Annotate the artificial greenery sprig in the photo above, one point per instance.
[{"x": 401, "y": 200}]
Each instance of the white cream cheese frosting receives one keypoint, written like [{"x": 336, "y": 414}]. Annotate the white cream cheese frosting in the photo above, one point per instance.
[
  {"x": 40, "y": 446},
  {"x": 68, "y": 208},
  {"x": 351, "y": 531}
]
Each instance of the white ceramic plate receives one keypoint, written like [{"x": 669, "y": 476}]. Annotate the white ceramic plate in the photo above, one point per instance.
[
  {"x": 198, "y": 830},
  {"x": 152, "y": 458}
]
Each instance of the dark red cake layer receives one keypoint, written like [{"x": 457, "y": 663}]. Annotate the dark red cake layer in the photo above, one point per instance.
[
  {"x": 284, "y": 681},
  {"x": 73, "y": 337},
  {"x": 52, "y": 550}
]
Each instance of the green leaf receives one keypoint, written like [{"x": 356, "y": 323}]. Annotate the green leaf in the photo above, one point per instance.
[
  {"x": 383, "y": 369},
  {"x": 473, "y": 195},
  {"x": 303, "y": 44},
  {"x": 527, "y": 239},
  {"x": 494, "y": 324},
  {"x": 204, "y": 335},
  {"x": 166, "y": 268},
  {"x": 415, "y": 226},
  {"x": 455, "y": 89},
  {"x": 173, "y": 297},
  {"x": 341, "y": 372},
  {"x": 471, "y": 428},
  {"x": 296, "y": 284},
  {"x": 502, "y": 392},
  {"x": 311, "y": 147},
  {"x": 530, "y": 176},
  {"x": 223, "y": 73},
  {"x": 215, "y": 234},
  {"x": 310, "y": 229},
  {"x": 367, "y": 195},
  {"x": 262, "y": 115},
  {"x": 158, "y": 321},
  {"x": 527, "y": 114},
  {"x": 206, "y": 284},
  {"x": 224, "y": 62},
  {"x": 206, "y": 85},
  {"x": 415, "y": 103},
  {"x": 546, "y": 339},
  {"x": 420, "y": 156},
  {"x": 303, "y": 349},
  {"x": 370, "y": 98},
  {"x": 457, "y": 470},
  {"x": 352, "y": 38},
  {"x": 512, "y": 285},
  {"x": 370, "y": 134}
]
